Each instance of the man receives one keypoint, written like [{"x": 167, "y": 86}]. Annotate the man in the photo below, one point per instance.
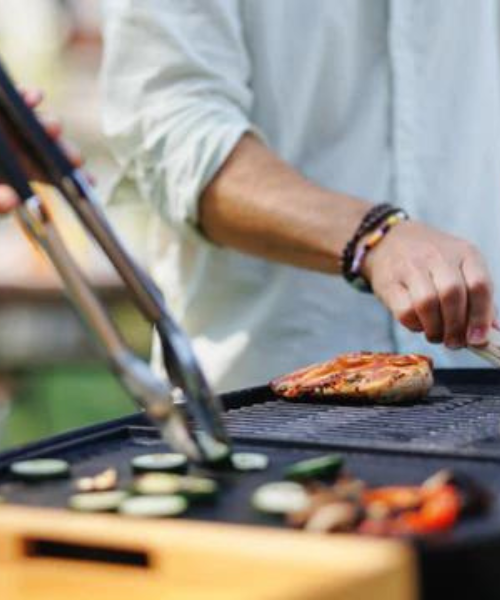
[{"x": 262, "y": 132}]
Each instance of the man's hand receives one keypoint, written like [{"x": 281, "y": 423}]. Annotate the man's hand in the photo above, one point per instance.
[
  {"x": 8, "y": 197},
  {"x": 433, "y": 282}
]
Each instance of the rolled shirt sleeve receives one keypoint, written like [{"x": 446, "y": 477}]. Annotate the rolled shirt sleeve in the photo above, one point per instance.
[{"x": 176, "y": 98}]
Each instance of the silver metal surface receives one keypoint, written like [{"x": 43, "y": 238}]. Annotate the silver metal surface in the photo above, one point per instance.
[
  {"x": 490, "y": 352},
  {"x": 151, "y": 393}
]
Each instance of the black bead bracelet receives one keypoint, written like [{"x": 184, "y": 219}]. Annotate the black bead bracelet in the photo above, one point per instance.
[{"x": 370, "y": 222}]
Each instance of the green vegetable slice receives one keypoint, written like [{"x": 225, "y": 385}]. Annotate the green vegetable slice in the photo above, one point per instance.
[
  {"x": 153, "y": 484},
  {"x": 198, "y": 488},
  {"x": 97, "y": 501},
  {"x": 315, "y": 468},
  {"x": 153, "y": 506},
  {"x": 249, "y": 461},
  {"x": 163, "y": 462},
  {"x": 280, "y": 497},
  {"x": 40, "y": 468}
]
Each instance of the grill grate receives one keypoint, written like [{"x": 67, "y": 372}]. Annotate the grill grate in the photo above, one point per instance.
[{"x": 463, "y": 424}]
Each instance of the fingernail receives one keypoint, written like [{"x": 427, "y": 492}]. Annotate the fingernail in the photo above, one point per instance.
[{"x": 476, "y": 336}]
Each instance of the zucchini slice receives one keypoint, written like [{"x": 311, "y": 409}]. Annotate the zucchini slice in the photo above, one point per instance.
[
  {"x": 198, "y": 488},
  {"x": 168, "y": 462},
  {"x": 153, "y": 506},
  {"x": 320, "y": 467},
  {"x": 219, "y": 451},
  {"x": 154, "y": 484},
  {"x": 249, "y": 461},
  {"x": 40, "y": 469},
  {"x": 97, "y": 501},
  {"x": 280, "y": 497}
]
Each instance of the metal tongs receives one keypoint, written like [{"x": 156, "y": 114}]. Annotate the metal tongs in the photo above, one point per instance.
[
  {"x": 185, "y": 410},
  {"x": 490, "y": 352}
]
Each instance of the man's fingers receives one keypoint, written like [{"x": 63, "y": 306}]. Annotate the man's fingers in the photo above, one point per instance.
[
  {"x": 480, "y": 300},
  {"x": 72, "y": 153},
  {"x": 52, "y": 125},
  {"x": 8, "y": 198},
  {"x": 32, "y": 97},
  {"x": 401, "y": 306},
  {"x": 452, "y": 292},
  {"x": 426, "y": 304}
]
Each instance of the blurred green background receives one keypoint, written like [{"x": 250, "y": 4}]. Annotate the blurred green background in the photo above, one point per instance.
[
  {"x": 60, "y": 393},
  {"x": 51, "y": 400}
]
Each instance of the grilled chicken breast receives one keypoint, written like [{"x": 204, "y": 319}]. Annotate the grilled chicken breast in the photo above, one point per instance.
[{"x": 361, "y": 376}]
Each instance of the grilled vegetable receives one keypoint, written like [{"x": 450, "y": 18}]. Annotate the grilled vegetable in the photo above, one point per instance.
[
  {"x": 321, "y": 467},
  {"x": 40, "y": 469},
  {"x": 395, "y": 498},
  {"x": 97, "y": 501},
  {"x": 165, "y": 462},
  {"x": 338, "y": 516},
  {"x": 102, "y": 482},
  {"x": 249, "y": 461},
  {"x": 398, "y": 510},
  {"x": 439, "y": 512},
  {"x": 153, "y": 506},
  {"x": 152, "y": 484},
  {"x": 438, "y": 509},
  {"x": 474, "y": 499},
  {"x": 345, "y": 491},
  {"x": 280, "y": 497},
  {"x": 198, "y": 488},
  {"x": 164, "y": 484},
  {"x": 220, "y": 452}
]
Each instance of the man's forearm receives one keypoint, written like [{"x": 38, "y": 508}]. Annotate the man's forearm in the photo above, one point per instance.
[{"x": 259, "y": 205}]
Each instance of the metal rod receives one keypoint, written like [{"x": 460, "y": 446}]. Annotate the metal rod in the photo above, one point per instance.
[{"x": 154, "y": 395}]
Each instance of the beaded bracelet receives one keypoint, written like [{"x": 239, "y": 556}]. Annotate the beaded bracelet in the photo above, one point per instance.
[
  {"x": 370, "y": 221},
  {"x": 354, "y": 276}
]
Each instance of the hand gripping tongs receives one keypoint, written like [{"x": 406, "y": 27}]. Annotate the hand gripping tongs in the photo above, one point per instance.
[{"x": 184, "y": 408}]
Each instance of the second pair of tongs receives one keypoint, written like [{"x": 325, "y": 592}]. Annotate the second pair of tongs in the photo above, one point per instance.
[
  {"x": 491, "y": 351},
  {"x": 187, "y": 413}
]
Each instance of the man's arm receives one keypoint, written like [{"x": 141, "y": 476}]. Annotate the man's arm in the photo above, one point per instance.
[
  {"x": 429, "y": 280},
  {"x": 176, "y": 117},
  {"x": 258, "y": 204}
]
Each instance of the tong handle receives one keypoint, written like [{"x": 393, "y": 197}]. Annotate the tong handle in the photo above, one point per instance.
[
  {"x": 23, "y": 120},
  {"x": 29, "y": 133},
  {"x": 11, "y": 171}
]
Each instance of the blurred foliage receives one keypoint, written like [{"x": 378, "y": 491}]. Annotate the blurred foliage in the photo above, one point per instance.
[{"x": 53, "y": 400}]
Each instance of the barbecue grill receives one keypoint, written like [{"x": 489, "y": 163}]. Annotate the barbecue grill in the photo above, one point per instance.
[{"x": 457, "y": 426}]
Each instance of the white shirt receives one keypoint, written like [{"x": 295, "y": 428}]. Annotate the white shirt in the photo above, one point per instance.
[{"x": 395, "y": 101}]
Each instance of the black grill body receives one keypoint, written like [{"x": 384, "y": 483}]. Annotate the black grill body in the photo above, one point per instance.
[{"x": 457, "y": 427}]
